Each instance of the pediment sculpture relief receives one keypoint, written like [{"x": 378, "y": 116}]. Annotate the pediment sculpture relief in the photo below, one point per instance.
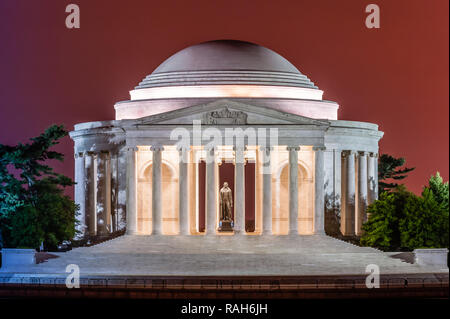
[{"x": 225, "y": 116}]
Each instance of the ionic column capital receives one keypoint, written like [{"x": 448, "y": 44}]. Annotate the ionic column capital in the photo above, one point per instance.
[
  {"x": 104, "y": 154},
  {"x": 363, "y": 153},
  {"x": 183, "y": 148},
  {"x": 239, "y": 157},
  {"x": 266, "y": 149},
  {"x": 319, "y": 148},
  {"x": 347, "y": 153},
  {"x": 78, "y": 155},
  {"x": 183, "y": 152},
  {"x": 293, "y": 148},
  {"x": 373, "y": 154},
  {"x": 238, "y": 148},
  {"x": 211, "y": 148},
  {"x": 157, "y": 148},
  {"x": 132, "y": 148}
]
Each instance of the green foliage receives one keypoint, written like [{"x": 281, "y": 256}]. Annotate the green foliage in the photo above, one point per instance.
[
  {"x": 402, "y": 220},
  {"x": 389, "y": 167},
  {"x": 379, "y": 227},
  {"x": 25, "y": 231},
  {"x": 440, "y": 190},
  {"x": 425, "y": 224},
  {"x": 33, "y": 207},
  {"x": 384, "y": 215}
]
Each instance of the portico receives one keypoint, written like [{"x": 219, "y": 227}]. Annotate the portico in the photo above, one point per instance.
[{"x": 278, "y": 190}]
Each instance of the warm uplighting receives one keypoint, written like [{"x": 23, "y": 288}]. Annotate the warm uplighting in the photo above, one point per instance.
[
  {"x": 225, "y": 153},
  {"x": 226, "y": 91}
]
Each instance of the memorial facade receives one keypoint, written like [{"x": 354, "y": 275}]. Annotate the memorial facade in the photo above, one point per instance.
[{"x": 224, "y": 112}]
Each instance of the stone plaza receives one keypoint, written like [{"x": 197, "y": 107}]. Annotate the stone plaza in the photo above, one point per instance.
[{"x": 159, "y": 255}]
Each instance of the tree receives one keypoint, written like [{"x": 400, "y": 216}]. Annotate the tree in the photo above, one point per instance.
[
  {"x": 389, "y": 167},
  {"x": 440, "y": 190},
  {"x": 425, "y": 223},
  {"x": 33, "y": 207},
  {"x": 384, "y": 215},
  {"x": 400, "y": 219}
]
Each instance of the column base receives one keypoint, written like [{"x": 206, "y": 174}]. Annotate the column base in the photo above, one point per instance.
[
  {"x": 349, "y": 234},
  {"x": 211, "y": 234}
]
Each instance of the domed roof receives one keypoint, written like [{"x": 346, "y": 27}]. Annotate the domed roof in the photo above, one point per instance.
[{"x": 225, "y": 62}]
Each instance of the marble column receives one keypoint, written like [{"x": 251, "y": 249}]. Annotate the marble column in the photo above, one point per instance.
[
  {"x": 350, "y": 195},
  {"x": 122, "y": 160},
  {"x": 370, "y": 178},
  {"x": 319, "y": 191},
  {"x": 114, "y": 192},
  {"x": 375, "y": 164},
  {"x": 183, "y": 201},
  {"x": 267, "y": 191},
  {"x": 239, "y": 200},
  {"x": 211, "y": 204},
  {"x": 80, "y": 193},
  {"x": 103, "y": 205},
  {"x": 131, "y": 227},
  {"x": 157, "y": 190},
  {"x": 362, "y": 191},
  {"x": 89, "y": 161},
  {"x": 293, "y": 189},
  {"x": 337, "y": 189},
  {"x": 192, "y": 191}
]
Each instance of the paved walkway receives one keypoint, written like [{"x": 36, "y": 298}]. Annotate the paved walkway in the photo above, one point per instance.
[{"x": 223, "y": 256}]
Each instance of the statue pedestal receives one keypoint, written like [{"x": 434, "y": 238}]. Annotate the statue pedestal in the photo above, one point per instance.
[{"x": 226, "y": 226}]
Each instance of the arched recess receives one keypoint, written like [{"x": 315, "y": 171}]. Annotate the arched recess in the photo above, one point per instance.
[
  {"x": 144, "y": 199},
  {"x": 170, "y": 225},
  {"x": 280, "y": 199}
]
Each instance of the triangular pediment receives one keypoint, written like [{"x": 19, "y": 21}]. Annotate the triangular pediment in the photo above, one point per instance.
[{"x": 227, "y": 112}]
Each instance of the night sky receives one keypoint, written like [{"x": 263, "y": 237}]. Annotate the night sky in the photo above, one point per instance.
[{"x": 396, "y": 76}]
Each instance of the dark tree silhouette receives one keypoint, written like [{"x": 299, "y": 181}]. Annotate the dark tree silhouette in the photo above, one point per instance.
[
  {"x": 33, "y": 207},
  {"x": 390, "y": 168}
]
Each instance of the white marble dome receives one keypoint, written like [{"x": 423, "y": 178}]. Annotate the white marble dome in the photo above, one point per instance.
[
  {"x": 226, "y": 62},
  {"x": 226, "y": 69}
]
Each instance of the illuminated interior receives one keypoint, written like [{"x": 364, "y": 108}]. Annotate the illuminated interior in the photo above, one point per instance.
[{"x": 225, "y": 154}]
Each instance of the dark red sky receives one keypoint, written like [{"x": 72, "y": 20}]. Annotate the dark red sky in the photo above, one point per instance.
[{"x": 396, "y": 76}]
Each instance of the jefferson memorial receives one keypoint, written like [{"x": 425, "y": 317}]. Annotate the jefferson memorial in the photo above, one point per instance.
[{"x": 224, "y": 113}]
